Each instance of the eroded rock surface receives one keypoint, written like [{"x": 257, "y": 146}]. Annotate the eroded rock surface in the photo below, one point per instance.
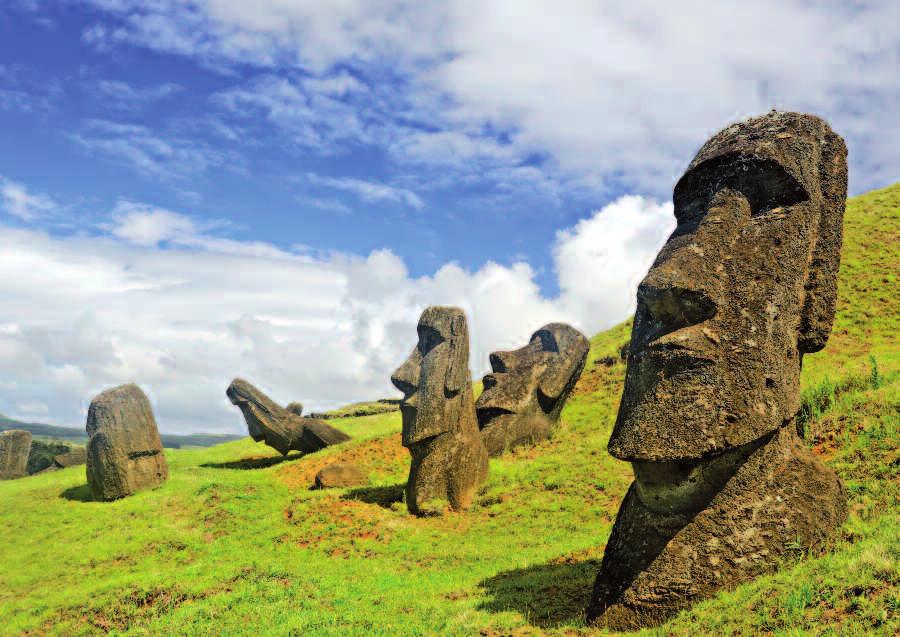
[
  {"x": 124, "y": 452},
  {"x": 15, "y": 445},
  {"x": 295, "y": 408},
  {"x": 744, "y": 287},
  {"x": 449, "y": 459},
  {"x": 75, "y": 457},
  {"x": 279, "y": 428},
  {"x": 528, "y": 387},
  {"x": 339, "y": 475}
]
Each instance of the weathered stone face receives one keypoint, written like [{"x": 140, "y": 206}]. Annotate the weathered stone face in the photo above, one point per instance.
[
  {"x": 279, "y": 428},
  {"x": 526, "y": 391},
  {"x": 124, "y": 452},
  {"x": 449, "y": 460},
  {"x": 15, "y": 445},
  {"x": 744, "y": 287}
]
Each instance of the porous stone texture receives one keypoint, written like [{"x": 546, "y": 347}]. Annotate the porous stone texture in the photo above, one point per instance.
[
  {"x": 124, "y": 451},
  {"x": 15, "y": 445},
  {"x": 340, "y": 474},
  {"x": 279, "y": 428},
  {"x": 449, "y": 459},
  {"x": 744, "y": 287},
  {"x": 295, "y": 408},
  {"x": 75, "y": 457},
  {"x": 528, "y": 387}
]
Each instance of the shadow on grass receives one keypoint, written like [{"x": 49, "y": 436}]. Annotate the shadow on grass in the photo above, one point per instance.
[
  {"x": 81, "y": 493},
  {"x": 382, "y": 496},
  {"x": 252, "y": 463},
  {"x": 547, "y": 595}
]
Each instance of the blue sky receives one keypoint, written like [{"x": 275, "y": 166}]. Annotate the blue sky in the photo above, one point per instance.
[{"x": 198, "y": 189}]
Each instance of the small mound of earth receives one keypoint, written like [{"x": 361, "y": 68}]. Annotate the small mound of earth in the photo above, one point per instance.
[{"x": 380, "y": 456}]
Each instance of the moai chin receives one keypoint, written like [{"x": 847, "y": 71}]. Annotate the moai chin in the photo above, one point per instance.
[
  {"x": 528, "y": 387},
  {"x": 449, "y": 459},
  {"x": 744, "y": 287}
]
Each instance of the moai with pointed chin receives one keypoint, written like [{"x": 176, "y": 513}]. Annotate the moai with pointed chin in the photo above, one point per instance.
[
  {"x": 528, "y": 387},
  {"x": 744, "y": 287},
  {"x": 449, "y": 460}
]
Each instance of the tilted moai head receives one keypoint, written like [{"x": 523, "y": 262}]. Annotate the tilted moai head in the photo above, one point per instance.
[
  {"x": 438, "y": 413},
  {"x": 743, "y": 288},
  {"x": 528, "y": 387}
]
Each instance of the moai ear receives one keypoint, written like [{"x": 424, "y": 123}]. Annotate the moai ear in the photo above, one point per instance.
[
  {"x": 458, "y": 364},
  {"x": 821, "y": 284}
]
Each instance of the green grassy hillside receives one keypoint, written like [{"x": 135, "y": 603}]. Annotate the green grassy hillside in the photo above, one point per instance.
[{"x": 236, "y": 543}]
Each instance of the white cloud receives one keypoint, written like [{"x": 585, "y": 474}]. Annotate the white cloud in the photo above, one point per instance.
[
  {"x": 165, "y": 302},
  {"x": 19, "y": 202},
  {"x": 133, "y": 97},
  {"x": 368, "y": 190}
]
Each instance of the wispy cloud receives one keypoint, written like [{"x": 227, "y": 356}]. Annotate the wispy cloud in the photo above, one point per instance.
[
  {"x": 370, "y": 191},
  {"x": 17, "y": 201},
  {"x": 131, "y": 97}
]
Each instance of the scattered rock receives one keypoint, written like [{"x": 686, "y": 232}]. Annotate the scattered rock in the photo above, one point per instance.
[
  {"x": 526, "y": 391},
  {"x": 338, "y": 475},
  {"x": 15, "y": 445},
  {"x": 449, "y": 459},
  {"x": 745, "y": 286},
  {"x": 279, "y": 428},
  {"x": 73, "y": 458},
  {"x": 124, "y": 452}
]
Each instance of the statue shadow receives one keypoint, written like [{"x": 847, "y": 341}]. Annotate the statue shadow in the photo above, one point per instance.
[
  {"x": 247, "y": 464},
  {"x": 547, "y": 595},
  {"x": 384, "y": 497},
  {"x": 81, "y": 493}
]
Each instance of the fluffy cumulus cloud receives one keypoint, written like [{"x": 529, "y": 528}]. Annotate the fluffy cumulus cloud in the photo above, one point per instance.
[
  {"x": 157, "y": 299},
  {"x": 609, "y": 92}
]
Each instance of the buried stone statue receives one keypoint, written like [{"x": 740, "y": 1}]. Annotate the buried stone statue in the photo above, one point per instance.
[
  {"x": 449, "y": 460},
  {"x": 744, "y": 287},
  {"x": 527, "y": 390},
  {"x": 281, "y": 429}
]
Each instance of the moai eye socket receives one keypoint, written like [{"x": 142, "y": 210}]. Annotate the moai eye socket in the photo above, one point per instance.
[
  {"x": 429, "y": 338},
  {"x": 765, "y": 183},
  {"x": 547, "y": 340}
]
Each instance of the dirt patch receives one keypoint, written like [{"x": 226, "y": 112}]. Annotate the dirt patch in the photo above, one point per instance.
[{"x": 381, "y": 456}]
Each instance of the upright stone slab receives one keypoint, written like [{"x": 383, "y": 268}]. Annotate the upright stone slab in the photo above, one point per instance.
[
  {"x": 449, "y": 460},
  {"x": 528, "y": 387},
  {"x": 279, "y": 428},
  {"x": 124, "y": 452},
  {"x": 744, "y": 287},
  {"x": 15, "y": 445}
]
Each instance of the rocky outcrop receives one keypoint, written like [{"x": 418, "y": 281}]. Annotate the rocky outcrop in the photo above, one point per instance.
[
  {"x": 15, "y": 445},
  {"x": 124, "y": 452},
  {"x": 277, "y": 427},
  {"x": 524, "y": 394},
  {"x": 449, "y": 459},
  {"x": 744, "y": 287},
  {"x": 340, "y": 475}
]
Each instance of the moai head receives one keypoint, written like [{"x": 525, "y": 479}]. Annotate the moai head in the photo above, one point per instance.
[
  {"x": 744, "y": 287},
  {"x": 257, "y": 408},
  {"x": 534, "y": 381},
  {"x": 435, "y": 375}
]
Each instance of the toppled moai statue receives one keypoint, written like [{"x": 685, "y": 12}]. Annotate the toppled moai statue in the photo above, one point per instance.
[
  {"x": 440, "y": 430},
  {"x": 279, "y": 428},
  {"x": 15, "y": 445},
  {"x": 124, "y": 452},
  {"x": 295, "y": 408},
  {"x": 523, "y": 397},
  {"x": 744, "y": 287}
]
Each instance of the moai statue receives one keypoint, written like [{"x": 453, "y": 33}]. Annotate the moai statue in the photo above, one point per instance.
[
  {"x": 15, "y": 445},
  {"x": 124, "y": 451},
  {"x": 528, "y": 387},
  {"x": 281, "y": 429},
  {"x": 449, "y": 460},
  {"x": 744, "y": 287}
]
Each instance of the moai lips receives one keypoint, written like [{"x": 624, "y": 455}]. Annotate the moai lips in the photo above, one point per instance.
[
  {"x": 525, "y": 393},
  {"x": 440, "y": 430},
  {"x": 745, "y": 285}
]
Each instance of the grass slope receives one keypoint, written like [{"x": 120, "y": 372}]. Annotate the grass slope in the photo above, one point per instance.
[{"x": 235, "y": 543}]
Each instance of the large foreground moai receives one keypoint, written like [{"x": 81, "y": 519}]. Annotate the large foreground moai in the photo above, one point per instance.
[
  {"x": 525, "y": 394},
  {"x": 449, "y": 459},
  {"x": 15, "y": 445},
  {"x": 744, "y": 287},
  {"x": 124, "y": 452},
  {"x": 279, "y": 428}
]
